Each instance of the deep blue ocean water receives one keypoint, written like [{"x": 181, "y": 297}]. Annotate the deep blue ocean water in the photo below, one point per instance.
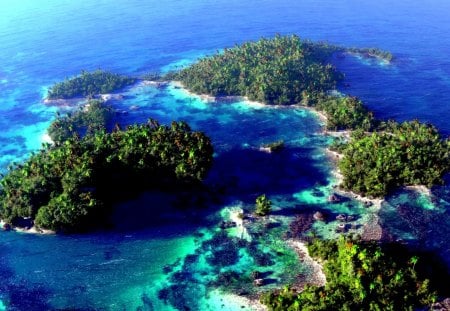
[{"x": 42, "y": 42}]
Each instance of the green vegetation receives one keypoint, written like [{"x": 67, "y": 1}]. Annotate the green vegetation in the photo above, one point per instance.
[
  {"x": 344, "y": 113},
  {"x": 360, "y": 276},
  {"x": 282, "y": 70},
  {"x": 89, "y": 84},
  {"x": 70, "y": 187},
  {"x": 94, "y": 116},
  {"x": 279, "y": 71},
  {"x": 263, "y": 205},
  {"x": 409, "y": 153}
]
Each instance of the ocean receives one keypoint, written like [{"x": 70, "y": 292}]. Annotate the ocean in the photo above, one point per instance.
[{"x": 172, "y": 262}]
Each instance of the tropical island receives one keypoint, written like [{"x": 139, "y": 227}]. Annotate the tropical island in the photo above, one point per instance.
[
  {"x": 73, "y": 184},
  {"x": 89, "y": 84}
]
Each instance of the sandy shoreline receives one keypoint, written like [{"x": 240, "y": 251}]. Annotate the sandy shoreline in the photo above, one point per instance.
[
  {"x": 320, "y": 115},
  {"x": 316, "y": 276},
  {"x": 335, "y": 157},
  {"x": 421, "y": 189},
  {"x": 235, "y": 301},
  {"x": 35, "y": 230},
  {"x": 236, "y": 217},
  {"x": 221, "y": 99}
]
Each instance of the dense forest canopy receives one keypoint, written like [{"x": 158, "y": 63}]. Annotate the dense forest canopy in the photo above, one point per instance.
[
  {"x": 66, "y": 187},
  {"x": 410, "y": 153},
  {"x": 93, "y": 116},
  {"x": 273, "y": 71},
  {"x": 343, "y": 112},
  {"x": 361, "y": 276},
  {"x": 89, "y": 84}
]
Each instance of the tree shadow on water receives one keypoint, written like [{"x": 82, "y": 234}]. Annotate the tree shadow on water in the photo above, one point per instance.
[{"x": 243, "y": 172}]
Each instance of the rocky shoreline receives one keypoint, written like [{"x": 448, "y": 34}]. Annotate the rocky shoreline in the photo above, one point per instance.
[{"x": 30, "y": 228}]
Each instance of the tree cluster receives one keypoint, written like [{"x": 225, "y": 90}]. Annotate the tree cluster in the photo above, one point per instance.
[
  {"x": 360, "y": 276},
  {"x": 410, "y": 153},
  {"x": 344, "y": 113},
  {"x": 94, "y": 116},
  {"x": 263, "y": 205},
  {"x": 273, "y": 71},
  {"x": 71, "y": 186},
  {"x": 89, "y": 84}
]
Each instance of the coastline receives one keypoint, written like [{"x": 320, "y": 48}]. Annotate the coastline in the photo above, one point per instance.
[
  {"x": 334, "y": 156},
  {"x": 221, "y": 99},
  {"x": 421, "y": 189},
  {"x": 369, "y": 55},
  {"x": 316, "y": 276},
  {"x": 31, "y": 230},
  {"x": 235, "y": 301}
]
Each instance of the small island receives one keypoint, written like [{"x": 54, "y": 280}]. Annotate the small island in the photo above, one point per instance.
[
  {"x": 88, "y": 84},
  {"x": 72, "y": 186}
]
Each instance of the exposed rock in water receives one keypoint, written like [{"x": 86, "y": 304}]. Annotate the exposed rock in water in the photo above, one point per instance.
[
  {"x": 341, "y": 227},
  {"x": 227, "y": 224},
  {"x": 301, "y": 224},
  {"x": 319, "y": 216},
  {"x": 255, "y": 275},
  {"x": 7, "y": 227},
  {"x": 334, "y": 198},
  {"x": 368, "y": 203},
  {"x": 259, "y": 282},
  {"x": 372, "y": 230},
  {"x": 444, "y": 305},
  {"x": 341, "y": 217},
  {"x": 272, "y": 147}
]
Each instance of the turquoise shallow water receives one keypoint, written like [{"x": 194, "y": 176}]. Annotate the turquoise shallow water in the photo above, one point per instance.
[{"x": 126, "y": 268}]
